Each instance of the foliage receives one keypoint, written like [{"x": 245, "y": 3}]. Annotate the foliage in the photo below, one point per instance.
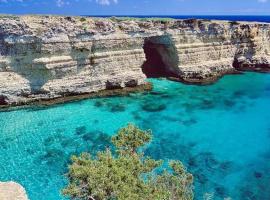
[
  {"x": 234, "y": 23},
  {"x": 82, "y": 19},
  {"x": 130, "y": 138},
  {"x": 127, "y": 174}
]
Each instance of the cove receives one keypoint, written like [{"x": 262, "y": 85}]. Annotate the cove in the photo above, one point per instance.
[{"x": 221, "y": 132}]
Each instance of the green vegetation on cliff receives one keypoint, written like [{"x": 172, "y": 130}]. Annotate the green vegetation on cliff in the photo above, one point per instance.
[{"x": 126, "y": 174}]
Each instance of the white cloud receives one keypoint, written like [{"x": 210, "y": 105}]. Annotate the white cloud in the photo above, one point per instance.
[
  {"x": 106, "y": 2},
  {"x": 61, "y": 3}
]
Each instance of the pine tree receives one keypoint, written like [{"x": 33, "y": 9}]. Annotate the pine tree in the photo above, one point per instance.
[{"x": 127, "y": 174}]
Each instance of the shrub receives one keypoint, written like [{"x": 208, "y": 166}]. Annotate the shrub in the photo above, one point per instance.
[
  {"x": 127, "y": 174},
  {"x": 82, "y": 19}
]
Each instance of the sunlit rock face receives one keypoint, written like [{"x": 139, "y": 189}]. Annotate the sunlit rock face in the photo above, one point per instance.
[
  {"x": 12, "y": 191},
  {"x": 46, "y": 57}
]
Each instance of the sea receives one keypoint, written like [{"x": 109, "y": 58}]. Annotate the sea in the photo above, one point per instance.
[{"x": 255, "y": 18}]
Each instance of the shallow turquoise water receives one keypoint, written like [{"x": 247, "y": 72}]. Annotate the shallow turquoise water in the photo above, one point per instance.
[{"x": 221, "y": 132}]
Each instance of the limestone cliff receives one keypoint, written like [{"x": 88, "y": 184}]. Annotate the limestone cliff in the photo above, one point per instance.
[{"x": 47, "y": 57}]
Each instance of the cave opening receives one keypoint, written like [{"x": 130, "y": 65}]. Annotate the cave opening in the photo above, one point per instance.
[{"x": 161, "y": 57}]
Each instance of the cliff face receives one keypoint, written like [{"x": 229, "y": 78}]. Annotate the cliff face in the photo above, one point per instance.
[{"x": 46, "y": 57}]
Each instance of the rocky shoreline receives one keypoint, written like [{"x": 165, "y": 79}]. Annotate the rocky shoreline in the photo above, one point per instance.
[
  {"x": 55, "y": 59},
  {"x": 76, "y": 97},
  {"x": 12, "y": 191}
]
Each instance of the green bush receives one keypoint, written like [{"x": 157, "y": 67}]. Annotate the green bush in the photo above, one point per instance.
[
  {"x": 127, "y": 174},
  {"x": 82, "y": 19}
]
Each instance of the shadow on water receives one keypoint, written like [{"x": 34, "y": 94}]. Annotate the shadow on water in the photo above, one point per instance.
[
  {"x": 59, "y": 147},
  {"x": 255, "y": 183},
  {"x": 204, "y": 165},
  {"x": 109, "y": 106}
]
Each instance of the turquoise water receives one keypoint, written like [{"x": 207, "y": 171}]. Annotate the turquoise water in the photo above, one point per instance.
[{"x": 221, "y": 132}]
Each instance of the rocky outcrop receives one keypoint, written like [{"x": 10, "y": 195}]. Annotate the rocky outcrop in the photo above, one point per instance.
[
  {"x": 48, "y": 57},
  {"x": 12, "y": 191}
]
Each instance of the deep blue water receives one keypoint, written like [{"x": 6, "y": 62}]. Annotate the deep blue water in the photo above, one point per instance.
[
  {"x": 213, "y": 17},
  {"x": 221, "y": 132}
]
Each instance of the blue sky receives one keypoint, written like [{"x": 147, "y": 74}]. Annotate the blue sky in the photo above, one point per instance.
[{"x": 136, "y": 7}]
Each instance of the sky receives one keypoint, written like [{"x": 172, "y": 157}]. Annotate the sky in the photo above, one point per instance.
[{"x": 136, "y": 7}]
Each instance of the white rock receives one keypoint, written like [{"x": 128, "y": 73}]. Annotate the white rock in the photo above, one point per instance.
[
  {"x": 50, "y": 56},
  {"x": 12, "y": 191}
]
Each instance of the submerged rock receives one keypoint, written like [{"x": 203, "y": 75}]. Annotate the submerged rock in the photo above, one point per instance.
[
  {"x": 99, "y": 104},
  {"x": 153, "y": 107},
  {"x": 192, "y": 162},
  {"x": 229, "y": 103},
  {"x": 170, "y": 118},
  {"x": 136, "y": 115},
  {"x": 41, "y": 123},
  {"x": 31, "y": 151},
  {"x": 189, "y": 122},
  {"x": 49, "y": 141},
  {"x": 118, "y": 108},
  {"x": 201, "y": 178},
  {"x": 245, "y": 193},
  {"x": 53, "y": 154},
  {"x": 226, "y": 166},
  {"x": 97, "y": 139},
  {"x": 220, "y": 191},
  {"x": 56, "y": 138},
  {"x": 238, "y": 94},
  {"x": 68, "y": 142},
  {"x": 80, "y": 130},
  {"x": 207, "y": 104},
  {"x": 258, "y": 175},
  {"x": 90, "y": 136}
]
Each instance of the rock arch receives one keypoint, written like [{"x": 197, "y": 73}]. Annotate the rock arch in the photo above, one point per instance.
[{"x": 161, "y": 57}]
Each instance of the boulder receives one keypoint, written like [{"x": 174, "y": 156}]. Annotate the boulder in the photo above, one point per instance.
[{"x": 12, "y": 191}]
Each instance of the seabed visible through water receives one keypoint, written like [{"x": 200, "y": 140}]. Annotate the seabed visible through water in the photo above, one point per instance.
[{"x": 221, "y": 133}]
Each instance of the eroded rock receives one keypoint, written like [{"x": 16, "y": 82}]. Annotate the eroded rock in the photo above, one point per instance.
[
  {"x": 49, "y": 57},
  {"x": 12, "y": 191}
]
